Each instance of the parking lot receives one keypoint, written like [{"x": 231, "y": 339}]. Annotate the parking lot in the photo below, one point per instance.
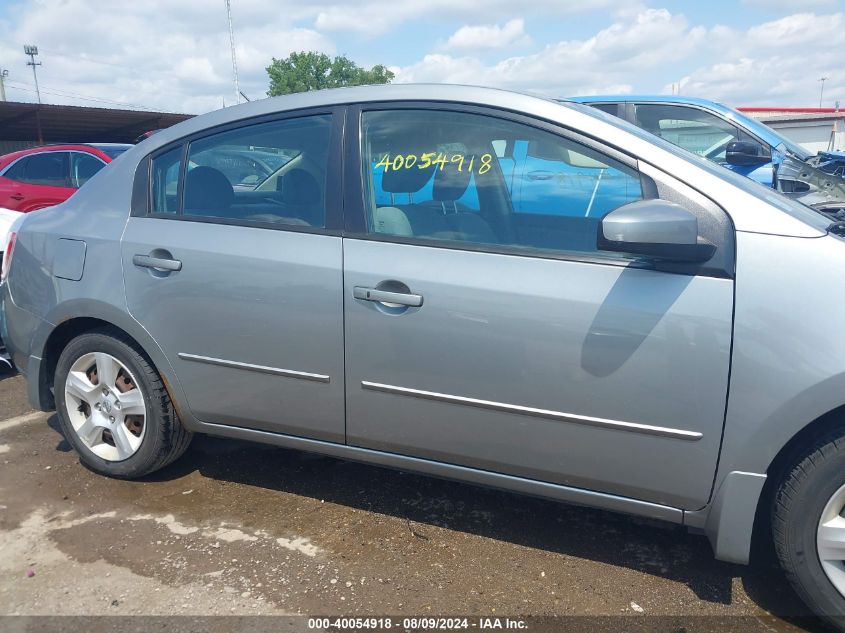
[{"x": 236, "y": 528}]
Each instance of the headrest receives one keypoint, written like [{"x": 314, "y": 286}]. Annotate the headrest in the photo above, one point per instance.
[
  {"x": 207, "y": 188},
  {"x": 449, "y": 183},
  {"x": 298, "y": 186},
  {"x": 405, "y": 180}
]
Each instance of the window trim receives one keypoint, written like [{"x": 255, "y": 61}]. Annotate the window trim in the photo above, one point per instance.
[
  {"x": 142, "y": 186},
  {"x": 356, "y": 204}
]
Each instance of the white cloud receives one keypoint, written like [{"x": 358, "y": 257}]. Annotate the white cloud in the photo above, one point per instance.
[
  {"x": 369, "y": 17},
  {"x": 175, "y": 55},
  {"x": 610, "y": 61},
  {"x": 489, "y": 36},
  {"x": 774, "y": 63},
  {"x": 787, "y": 5},
  {"x": 158, "y": 54}
]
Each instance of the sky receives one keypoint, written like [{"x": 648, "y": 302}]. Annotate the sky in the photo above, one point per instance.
[{"x": 173, "y": 55}]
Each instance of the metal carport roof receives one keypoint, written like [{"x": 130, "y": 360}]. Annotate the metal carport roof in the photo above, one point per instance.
[{"x": 73, "y": 124}]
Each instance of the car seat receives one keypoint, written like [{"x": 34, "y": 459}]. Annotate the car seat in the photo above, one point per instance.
[{"x": 207, "y": 192}]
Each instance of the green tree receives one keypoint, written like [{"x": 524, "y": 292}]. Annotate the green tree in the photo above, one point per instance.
[{"x": 304, "y": 71}]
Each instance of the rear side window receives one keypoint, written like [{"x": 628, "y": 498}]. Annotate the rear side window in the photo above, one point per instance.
[
  {"x": 165, "y": 182},
  {"x": 460, "y": 177},
  {"x": 265, "y": 173},
  {"x": 45, "y": 168},
  {"x": 17, "y": 170}
]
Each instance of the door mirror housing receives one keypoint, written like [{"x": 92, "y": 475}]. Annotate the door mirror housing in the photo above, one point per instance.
[
  {"x": 655, "y": 228},
  {"x": 746, "y": 153}
]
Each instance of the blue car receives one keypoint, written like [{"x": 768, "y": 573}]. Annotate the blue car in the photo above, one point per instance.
[{"x": 735, "y": 141}]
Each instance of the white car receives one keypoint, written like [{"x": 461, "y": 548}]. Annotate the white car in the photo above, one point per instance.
[{"x": 7, "y": 218}]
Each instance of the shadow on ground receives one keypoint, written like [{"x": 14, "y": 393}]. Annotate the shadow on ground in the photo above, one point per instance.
[{"x": 648, "y": 547}]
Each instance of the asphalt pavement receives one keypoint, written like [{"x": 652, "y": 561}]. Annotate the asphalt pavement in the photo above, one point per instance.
[{"x": 235, "y": 528}]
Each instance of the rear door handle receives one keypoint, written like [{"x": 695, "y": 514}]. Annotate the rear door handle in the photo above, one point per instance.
[
  {"x": 146, "y": 261},
  {"x": 17, "y": 196},
  {"x": 383, "y": 296}
]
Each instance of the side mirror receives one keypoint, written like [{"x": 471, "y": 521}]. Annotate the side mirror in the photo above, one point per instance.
[
  {"x": 746, "y": 153},
  {"x": 654, "y": 228}
]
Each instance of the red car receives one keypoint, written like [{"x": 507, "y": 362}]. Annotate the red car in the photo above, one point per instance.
[{"x": 43, "y": 176}]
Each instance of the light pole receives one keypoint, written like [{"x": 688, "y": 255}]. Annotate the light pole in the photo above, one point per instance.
[
  {"x": 234, "y": 58},
  {"x": 821, "y": 93},
  {"x": 3, "y": 74},
  {"x": 32, "y": 51}
]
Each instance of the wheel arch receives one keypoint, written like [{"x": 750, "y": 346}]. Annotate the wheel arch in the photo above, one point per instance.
[
  {"x": 738, "y": 519},
  {"x": 789, "y": 454},
  {"x": 71, "y": 322}
]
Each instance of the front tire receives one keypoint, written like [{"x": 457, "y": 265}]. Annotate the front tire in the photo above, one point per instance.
[
  {"x": 808, "y": 527},
  {"x": 113, "y": 407}
]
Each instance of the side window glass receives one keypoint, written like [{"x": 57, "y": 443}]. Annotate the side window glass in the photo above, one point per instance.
[
  {"x": 267, "y": 172},
  {"x": 82, "y": 167},
  {"x": 462, "y": 177},
  {"x": 165, "y": 181},
  {"x": 47, "y": 168},
  {"x": 692, "y": 129},
  {"x": 18, "y": 170},
  {"x": 610, "y": 108}
]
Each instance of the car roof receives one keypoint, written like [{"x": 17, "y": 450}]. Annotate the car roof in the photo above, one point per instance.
[
  {"x": 762, "y": 131},
  {"x": 682, "y": 99},
  {"x": 473, "y": 95}
]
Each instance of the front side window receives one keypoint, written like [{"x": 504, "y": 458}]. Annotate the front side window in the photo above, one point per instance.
[
  {"x": 694, "y": 130},
  {"x": 83, "y": 167},
  {"x": 462, "y": 177}
]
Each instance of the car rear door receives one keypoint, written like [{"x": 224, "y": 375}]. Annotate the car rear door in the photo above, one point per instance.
[
  {"x": 36, "y": 181},
  {"x": 239, "y": 280},
  {"x": 505, "y": 341}
]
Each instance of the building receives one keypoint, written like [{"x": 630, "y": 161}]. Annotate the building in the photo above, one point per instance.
[
  {"x": 817, "y": 129},
  {"x": 24, "y": 125}
]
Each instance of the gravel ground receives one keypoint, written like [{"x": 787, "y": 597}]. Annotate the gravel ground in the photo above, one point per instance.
[{"x": 242, "y": 529}]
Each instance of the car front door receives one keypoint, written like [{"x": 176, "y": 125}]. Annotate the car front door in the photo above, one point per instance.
[
  {"x": 238, "y": 276},
  {"x": 503, "y": 340}
]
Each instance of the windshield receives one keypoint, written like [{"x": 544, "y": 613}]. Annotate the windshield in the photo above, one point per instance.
[{"x": 798, "y": 210}]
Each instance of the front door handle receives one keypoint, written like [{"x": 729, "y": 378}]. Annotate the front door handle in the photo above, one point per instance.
[
  {"x": 384, "y": 296},
  {"x": 17, "y": 196},
  {"x": 158, "y": 263}
]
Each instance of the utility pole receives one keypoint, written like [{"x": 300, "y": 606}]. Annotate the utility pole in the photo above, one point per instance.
[
  {"x": 3, "y": 74},
  {"x": 32, "y": 51},
  {"x": 234, "y": 57},
  {"x": 821, "y": 94}
]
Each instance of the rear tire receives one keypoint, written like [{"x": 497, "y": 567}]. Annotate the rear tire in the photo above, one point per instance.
[
  {"x": 807, "y": 525},
  {"x": 123, "y": 425}
]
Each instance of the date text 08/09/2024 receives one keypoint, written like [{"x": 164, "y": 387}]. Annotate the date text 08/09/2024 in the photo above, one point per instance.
[{"x": 416, "y": 623}]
